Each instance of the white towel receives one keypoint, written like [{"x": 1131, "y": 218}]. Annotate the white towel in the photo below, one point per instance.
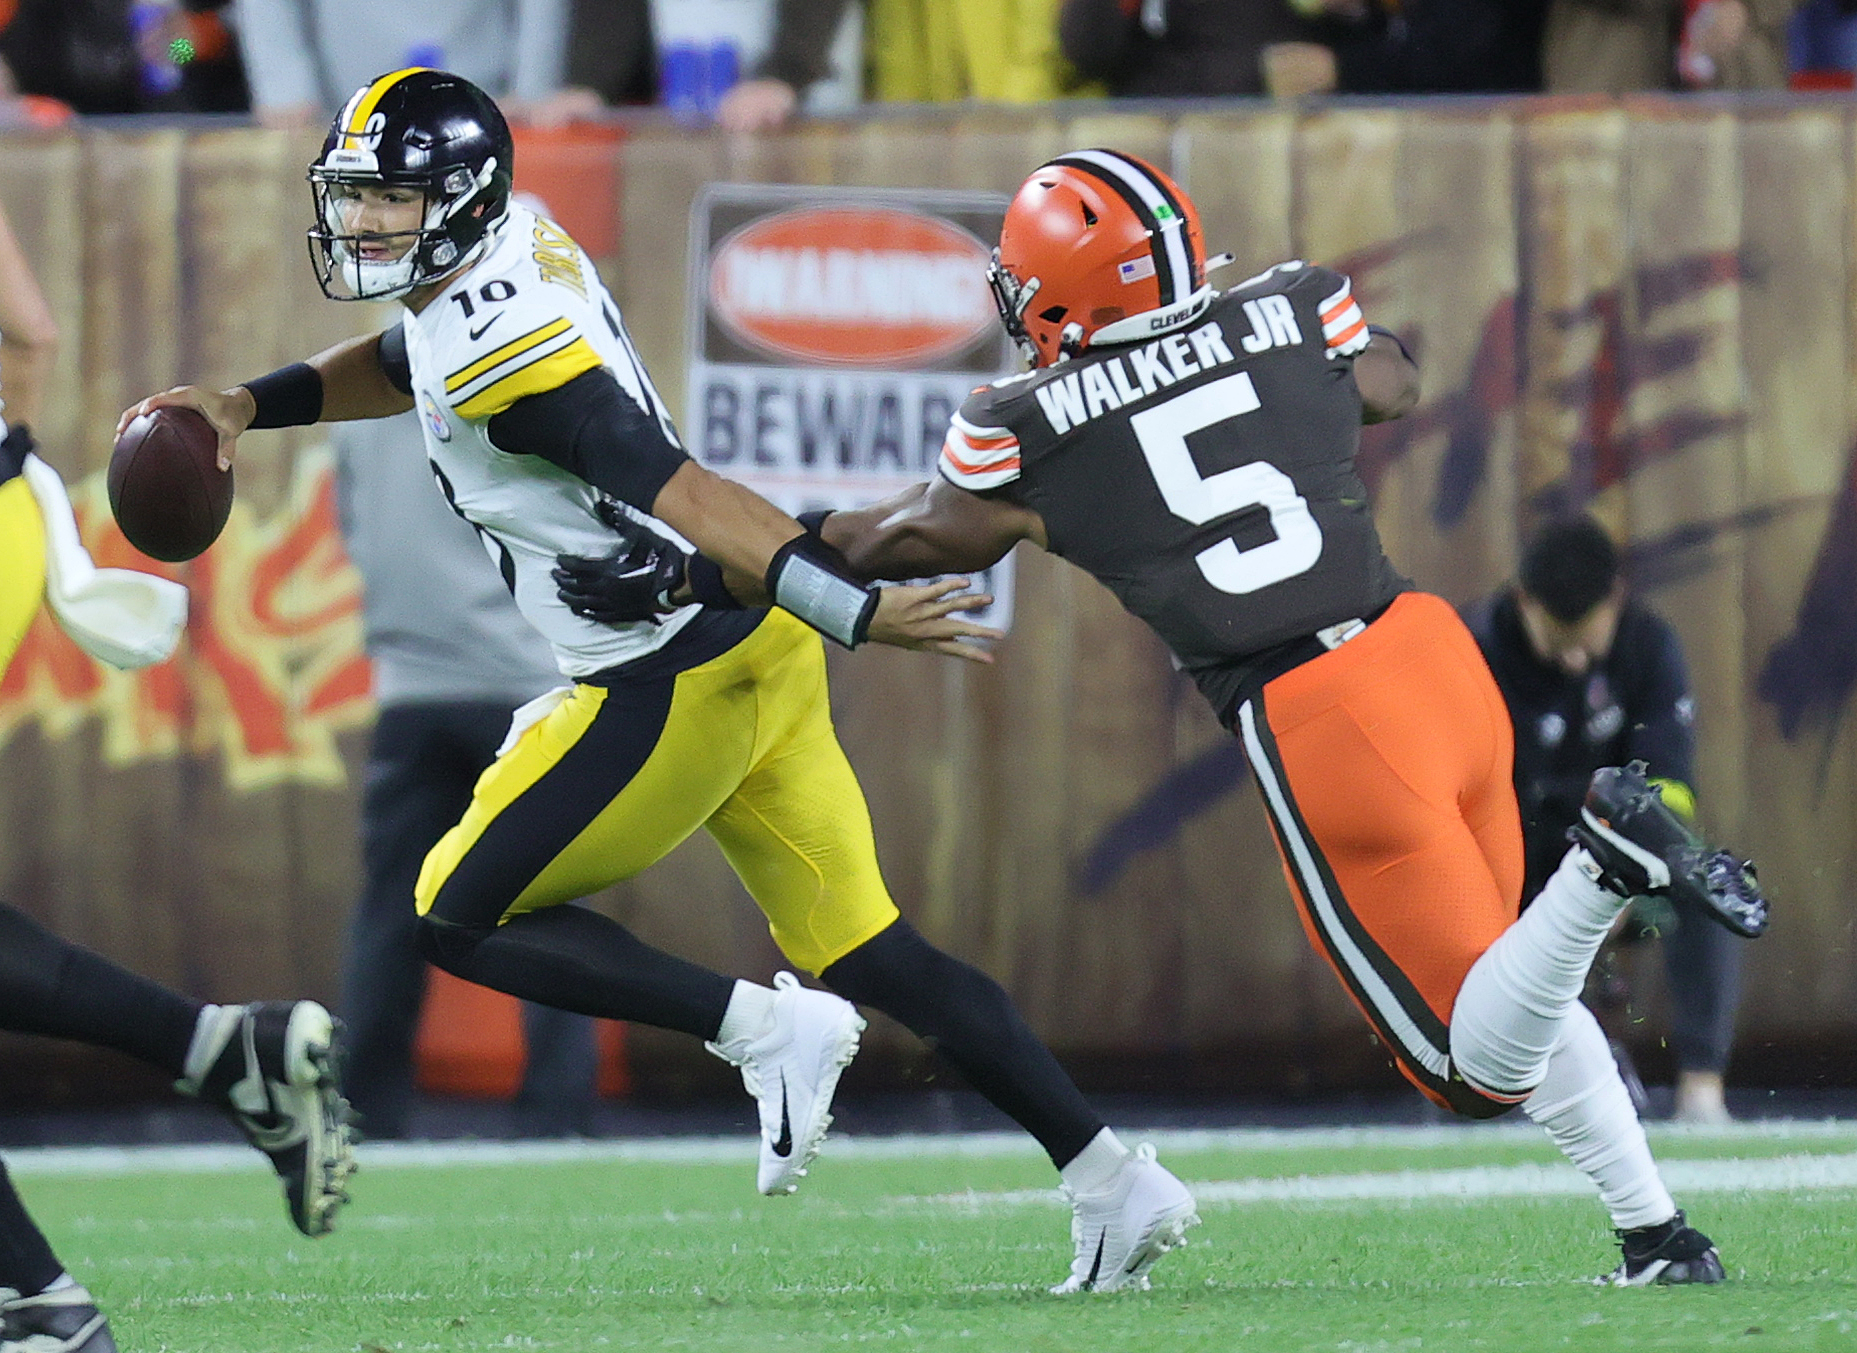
[{"x": 116, "y": 615}]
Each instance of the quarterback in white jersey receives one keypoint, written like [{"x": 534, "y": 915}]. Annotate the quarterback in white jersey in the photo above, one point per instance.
[
  {"x": 528, "y": 319},
  {"x": 692, "y": 706}
]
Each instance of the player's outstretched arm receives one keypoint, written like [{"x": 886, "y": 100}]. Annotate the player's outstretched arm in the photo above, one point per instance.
[
  {"x": 928, "y": 529},
  {"x": 346, "y": 382},
  {"x": 1387, "y": 376},
  {"x": 755, "y": 545}
]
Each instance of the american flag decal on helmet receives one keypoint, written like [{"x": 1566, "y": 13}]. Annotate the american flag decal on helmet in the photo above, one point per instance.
[{"x": 1152, "y": 200}]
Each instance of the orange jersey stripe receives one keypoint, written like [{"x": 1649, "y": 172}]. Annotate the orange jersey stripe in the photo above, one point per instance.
[
  {"x": 1339, "y": 308},
  {"x": 985, "y": 443},
  {"x": 962, "y": 467},
  {"x": 1347, "y": 333}
]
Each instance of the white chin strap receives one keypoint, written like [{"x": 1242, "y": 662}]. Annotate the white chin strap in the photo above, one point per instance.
[{"x": 375, "y": 280}]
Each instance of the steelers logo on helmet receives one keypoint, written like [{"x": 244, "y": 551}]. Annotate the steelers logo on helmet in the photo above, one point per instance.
[
  {"x": 1097, "y": 247},
  {"x": 409, "y": 132}
]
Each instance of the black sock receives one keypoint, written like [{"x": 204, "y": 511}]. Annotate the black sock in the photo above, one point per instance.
[
  {"x": 971, "y": 1021},
  {"x": 27, "y": 1264},
  {"x": 50, "y": 986},
  {"x": 575, "y": 959}
]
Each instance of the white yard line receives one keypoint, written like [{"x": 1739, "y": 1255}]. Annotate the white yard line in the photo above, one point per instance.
[
  {"x": 1783, "y": 1174},
  {"x": 116, "y": 1160}
]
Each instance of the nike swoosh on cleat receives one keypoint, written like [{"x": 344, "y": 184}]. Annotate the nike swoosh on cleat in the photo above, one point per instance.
[
  {"x": 484, "y": 328},
  {"x": 783, "y": 1144},
  {"x": 1096, "y": 1266}
]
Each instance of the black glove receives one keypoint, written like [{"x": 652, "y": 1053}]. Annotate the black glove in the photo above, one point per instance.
[{"x": 633, "y": 582}]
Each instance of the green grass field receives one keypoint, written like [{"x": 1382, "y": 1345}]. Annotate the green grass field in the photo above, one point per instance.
[{"x": 1310, "y": 1241}]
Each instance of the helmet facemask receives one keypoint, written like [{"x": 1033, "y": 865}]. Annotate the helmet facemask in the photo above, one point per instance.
[
  {"x": 454, "y": 211},
  {"x": 1010, "y": 298}
]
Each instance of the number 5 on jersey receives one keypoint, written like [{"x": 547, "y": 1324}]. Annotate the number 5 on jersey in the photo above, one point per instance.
[{"x": 1162, "y": 432}]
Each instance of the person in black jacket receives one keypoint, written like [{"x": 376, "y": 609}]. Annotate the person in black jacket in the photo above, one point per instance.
[
  {"x": 1593, "y": 677},
  {"x": 1176, "y": 48}
]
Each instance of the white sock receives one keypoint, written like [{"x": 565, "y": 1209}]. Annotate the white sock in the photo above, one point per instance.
[
  {"x": 1585, "y": 1108},
  {"x": 1508, "y": 1012},
  {"x": 750, "y": 1014},
  {"x": 1092, "y": 1169},
  {"x": 58, "y": 1284}
]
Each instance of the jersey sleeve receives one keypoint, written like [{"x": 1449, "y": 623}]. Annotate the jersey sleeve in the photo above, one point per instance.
[
  {"x": 1344, "y": 328},
  {"x": 494, "y": 370},
  {"x": 979, "y": 452}
]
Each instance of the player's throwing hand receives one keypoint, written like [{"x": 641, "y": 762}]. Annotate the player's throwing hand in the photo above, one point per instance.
[{"x": 229, "y": 411}]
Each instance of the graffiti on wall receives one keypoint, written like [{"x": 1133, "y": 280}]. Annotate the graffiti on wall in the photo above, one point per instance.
[{"x": 271, "y": 668}]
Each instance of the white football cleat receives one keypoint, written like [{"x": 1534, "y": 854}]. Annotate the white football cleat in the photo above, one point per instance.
[
  {"x": 792, "y": 1071},
  {"x": 1122, "y": 1230},
  {"x": 64, "y": 1320}
]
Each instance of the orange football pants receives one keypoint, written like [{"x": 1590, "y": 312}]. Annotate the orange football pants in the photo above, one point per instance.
[{"x": 1386, "y": 768}]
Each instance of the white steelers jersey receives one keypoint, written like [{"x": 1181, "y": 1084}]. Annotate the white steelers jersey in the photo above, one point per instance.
[{"x": 529, "y": 317}]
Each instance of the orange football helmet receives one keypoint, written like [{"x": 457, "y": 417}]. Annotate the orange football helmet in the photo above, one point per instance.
[{"x": 1097, "y": 247}]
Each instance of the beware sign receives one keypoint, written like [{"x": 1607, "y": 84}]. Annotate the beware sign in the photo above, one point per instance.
[{"x": 833, "y": 333}]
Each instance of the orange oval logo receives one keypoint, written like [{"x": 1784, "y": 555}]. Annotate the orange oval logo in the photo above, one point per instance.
[{"x": 853, "y": 286}]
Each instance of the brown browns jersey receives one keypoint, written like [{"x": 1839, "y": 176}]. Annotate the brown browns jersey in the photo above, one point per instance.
[{"x": 1206, "y": 477}]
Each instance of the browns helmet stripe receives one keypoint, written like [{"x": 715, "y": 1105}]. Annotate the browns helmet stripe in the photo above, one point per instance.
[
  {"x": 354, "y": 119},
  {"x": 1156, "y": 208}
]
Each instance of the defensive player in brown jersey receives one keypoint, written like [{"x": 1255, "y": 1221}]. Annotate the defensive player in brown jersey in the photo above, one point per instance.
[{"x": 1194, "y": 451}]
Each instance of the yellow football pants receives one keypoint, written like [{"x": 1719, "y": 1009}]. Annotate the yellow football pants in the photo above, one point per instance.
[
  {"x": 22, "y": 564},
  {"x": 615, "y": 777}
]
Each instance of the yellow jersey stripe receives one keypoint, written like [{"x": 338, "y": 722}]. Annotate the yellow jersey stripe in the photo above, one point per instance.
[
  {"x": 462, "y": 377},
  {"x": 538, "y": 377},
  {"x": 370, "y": 100}
]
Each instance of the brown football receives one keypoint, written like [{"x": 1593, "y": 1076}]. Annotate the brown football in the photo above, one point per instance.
[{"x": 166, "y": 488}]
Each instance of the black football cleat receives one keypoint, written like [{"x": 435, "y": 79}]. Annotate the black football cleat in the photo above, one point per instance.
[
  {"x": 1643, "y": 849},
  {"x": 62, "y": 1321},
  {"x": 1669, "y": 1253},
  {"x": 271, "y": 1066}
]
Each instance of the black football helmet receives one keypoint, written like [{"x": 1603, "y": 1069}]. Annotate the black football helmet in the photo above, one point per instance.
[{"x": 415, "y": 128}]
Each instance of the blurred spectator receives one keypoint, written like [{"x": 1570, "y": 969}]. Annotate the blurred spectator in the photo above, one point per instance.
[
  {"x": 1621, "y": 46},
  {"x": 122, "y": 56},
  {"x": 304, "y": 57},
  {"x": 916, "y": 51},
  {"x": 799, "y": 55},
  {"x": 1165, "y": 48},
  {"x": 1413, "y": 47},
  {"x": 452, "y": 658},
  {"x": 1594, "y": 678},
  {"x": 610, "y": 61},
  {"x": 1822, "y": 44}
]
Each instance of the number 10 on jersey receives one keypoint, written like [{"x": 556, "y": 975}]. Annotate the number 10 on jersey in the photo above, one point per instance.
[{"x": 1162, "y": 432}]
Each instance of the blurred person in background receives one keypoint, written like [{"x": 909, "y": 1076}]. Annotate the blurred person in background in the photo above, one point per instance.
[
  {"x": 610, "y": 63},
  {"x": 1592, "y": 678},
  {"x": 123, "y": 56},
  {"x": 1821, "y": 44},
  {"x": 1166, "y": 48},
  {"x": 452, "y": 658},
  {"x": 1411, "y": 47},
  {"x": 304, "y": 57},
  {"x": 915, "y": 51},
  {"x": 1624, "y": 46},
  {"x": 274, "y": 1054}
]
